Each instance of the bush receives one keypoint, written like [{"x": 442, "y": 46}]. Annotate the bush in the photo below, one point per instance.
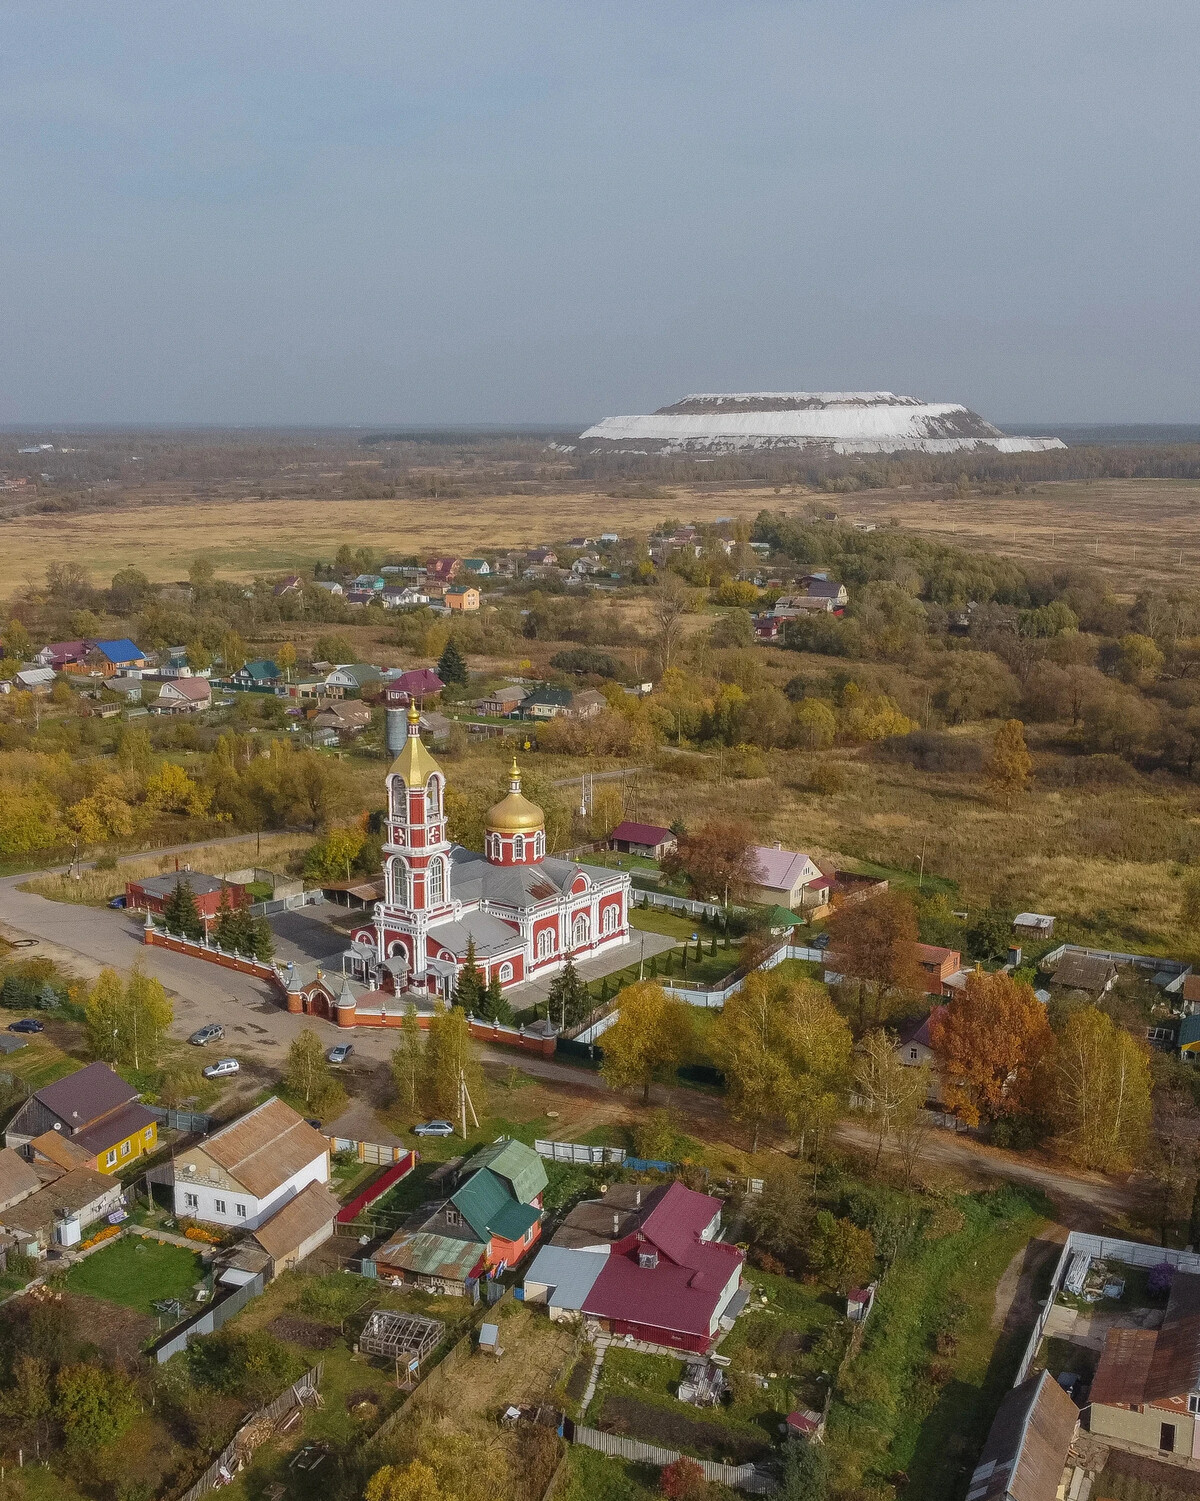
[
  {"x": 828, "y": 777},
  {"x": 928, "y": 750}
]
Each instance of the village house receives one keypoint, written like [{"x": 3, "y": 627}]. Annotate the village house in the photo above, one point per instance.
[
  {"x": 1094, "y": 974},
  {"x": 586, "y": 704},
  {"x": 351, "y": 677},
  {"x": 767, "y": 627},
  {"x": 545, "y": 703},
  {"x": 462, "y": 597},
  {"x": 245, "y": 1173},
  {"x": 914, "y": 1049},
  {"x": 662, "y": 1276},
  {"x": 183, "y": 696},
  {"x": 59, "y": 1213},
  {"x": 541, "y": 557},
  {"x": 96, "y": 1110},
  {"x": 63, "y": 656},
  {"x": 407, "y": 598},
  {"x": 121, "y": 655},
  {"x": 330, "y": 586},
  {"x": 480, "y": 567},
  {"x": 292, "y": 583},
  {"x": 500, "y": 702},
  {"x": 128, "y": 689},
  {"x": 486, "y": 1225},
  {"x": 345, "y": 718},
  {"x": 820, "y": 587},
  {"x": 261, "y": 673},
  {"x": 1145, "y": 1395},
  {"x": 442, "y": 570},
  {"x": 650, "y": 840},
  {"x": 1033, "y": 925},
  {"x": 787, "y": 878},
  {"x": 38, "y": 680},
  {"x": 419, "y": 683},
  {"x": 941, "y": 969},
  {"x": 368, "y": 583},
  {"x": 1025, "y": 1457}
]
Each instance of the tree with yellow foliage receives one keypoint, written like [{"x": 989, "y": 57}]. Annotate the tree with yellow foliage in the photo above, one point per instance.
[
  {"x": 1008, "y": 769},
  {"x": 648, "y": 1039},
  {"x": 991, "y": 1040},
  {"x": 414, "y": 1481}
]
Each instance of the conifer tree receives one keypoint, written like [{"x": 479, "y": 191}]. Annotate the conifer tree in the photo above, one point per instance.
[
  {"x": 495, "y": 1004},
  {"x": 180, "y": 912},
  {"x": 1010, "y": 765},
  {"x": 469, "y": 987},
  {"x": 451, "y": 667},
  {"x": 569, "y": 1001}
]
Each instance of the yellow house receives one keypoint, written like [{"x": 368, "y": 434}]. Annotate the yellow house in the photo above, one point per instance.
[
  {"x": 91, "y": 1118},
  {"x": 462, "y": 597}
]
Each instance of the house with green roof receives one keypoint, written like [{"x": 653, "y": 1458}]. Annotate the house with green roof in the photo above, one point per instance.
[
  {"x": 491, "y": 1221},
  {"x": 480, "y": 567}
]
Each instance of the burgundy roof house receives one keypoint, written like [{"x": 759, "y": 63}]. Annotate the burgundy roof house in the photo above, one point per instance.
[
  {"x": 419, "y": 683},
  {"x": 649, "y": 839},
  {"x": 666, "y": 1281}
]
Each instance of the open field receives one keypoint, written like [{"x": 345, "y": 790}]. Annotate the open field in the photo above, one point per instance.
[
  {"x": 1123, "y": 527},
  {"x": 1133, "y": 530},
  {"x": 244, "y": 537}
]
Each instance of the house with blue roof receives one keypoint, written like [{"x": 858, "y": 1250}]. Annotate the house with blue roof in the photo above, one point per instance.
[{"x": 120, "y": 655}]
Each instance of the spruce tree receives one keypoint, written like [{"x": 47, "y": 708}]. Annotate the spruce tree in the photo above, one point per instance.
[
  {"x": 262, "y": 939},
  {"x": 468, "y": 989},
  {"x": 569, "y": 999},
  {"x": 180, "y": 912},
  {"x": 495, "y": 1004},
  {"x": 451, "y": 667}
]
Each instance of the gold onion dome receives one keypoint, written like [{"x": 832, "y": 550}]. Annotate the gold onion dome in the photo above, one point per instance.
[
  {"x": 515, "y": 814},
  {"x": 414, "y": 763}
]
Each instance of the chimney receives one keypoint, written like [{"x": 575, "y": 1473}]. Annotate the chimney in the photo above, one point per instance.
[
  {"x": 616, "y": 1226},
  {"x": 638, "y": 1199}
]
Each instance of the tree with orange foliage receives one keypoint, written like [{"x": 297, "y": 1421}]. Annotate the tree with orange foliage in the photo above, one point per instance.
[
  {"x": 716, "y": 861},
  {"x": 874, "y": 944},
  {"x": 991, "y": 1042}
]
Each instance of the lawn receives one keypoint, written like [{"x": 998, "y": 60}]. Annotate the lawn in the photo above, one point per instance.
[
  {"x": 920, "y": 1396},
  {"x": 137, "y": 1273}
]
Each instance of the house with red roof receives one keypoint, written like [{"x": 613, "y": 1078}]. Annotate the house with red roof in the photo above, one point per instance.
[
  {"x": 666, "y": 1280},
  {"x": 418, "y": 683},
  {"x": 442, "y": 570},
  {"x": 648, "y": 839}
]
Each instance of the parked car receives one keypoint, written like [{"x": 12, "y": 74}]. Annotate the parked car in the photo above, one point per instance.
[
  {"x": 212, "y": 1033},
  {"x": 221, "y": 1068},
  {"x": 27, "y": 1024},
  {"x": 434, "y": 1128},
  {"x": 340, "y": 1053},
  {"x": 118, "y": 902}
]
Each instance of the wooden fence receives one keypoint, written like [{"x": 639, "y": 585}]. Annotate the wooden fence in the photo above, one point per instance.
[
  {"x": 744, "y": 1477},
  {"x": 220, "y": 1471}
]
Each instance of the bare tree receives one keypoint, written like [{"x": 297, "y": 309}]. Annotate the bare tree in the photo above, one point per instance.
[{"x": 669, "y": 604}]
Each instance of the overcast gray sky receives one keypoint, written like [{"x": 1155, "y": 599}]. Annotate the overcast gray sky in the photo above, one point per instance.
[{"x": 541, "y": 212}]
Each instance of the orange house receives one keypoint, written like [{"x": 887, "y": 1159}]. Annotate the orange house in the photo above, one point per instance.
[{"x": 462, "y": 597}]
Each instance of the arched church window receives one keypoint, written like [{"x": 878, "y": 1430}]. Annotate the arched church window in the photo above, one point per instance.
[
  {"x": 581, "y": 930},
  {"x": 610, "y": 919},
  {"x": 436, "y": 882},
  {"x": 518, "y": 846},
  {"x": 506, "y": 973}
]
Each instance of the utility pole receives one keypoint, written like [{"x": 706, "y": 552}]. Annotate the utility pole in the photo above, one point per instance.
[{"x": 921, "y": 877}]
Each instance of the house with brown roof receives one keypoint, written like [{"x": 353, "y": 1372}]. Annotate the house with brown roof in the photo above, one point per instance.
[
  {"x": 244, "y": 1174},
  {"x": 1146, "y": 1392},
  {"x": 1092, "y": 973},
  {"x": 17, "y": 1179},
  {"x": 1028, "y": 1444},
  {"x": 64, "y": 1208},
  {"x": 183, "y": 696},
  {"x": 96, "y": 1111},
  {"x": 648, "y": 839},
  {"x": 914, "y": 1049},
  {"x": 296, "y": 1230},
  {"x": 940, "y": 968}
]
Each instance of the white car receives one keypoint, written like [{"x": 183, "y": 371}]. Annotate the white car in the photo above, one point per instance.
[
  {"x": 221, "y": 1068},
  {"x": 434, "y": 1128}
]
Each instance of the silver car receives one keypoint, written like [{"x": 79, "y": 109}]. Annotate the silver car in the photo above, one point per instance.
[{"x": 221, "y": 1068}]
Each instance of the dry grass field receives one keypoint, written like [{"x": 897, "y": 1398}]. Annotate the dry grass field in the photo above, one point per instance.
[
  {"x": 245, "y": 537},
  {"x": 1134, "y": 530},
  {"x": 1121, "y": 526}
]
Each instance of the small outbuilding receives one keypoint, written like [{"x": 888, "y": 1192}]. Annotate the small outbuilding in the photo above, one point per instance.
[{"x": 648, "y": 839}]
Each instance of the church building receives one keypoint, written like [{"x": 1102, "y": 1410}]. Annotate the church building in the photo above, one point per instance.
[{"x": 525, "y": 911}]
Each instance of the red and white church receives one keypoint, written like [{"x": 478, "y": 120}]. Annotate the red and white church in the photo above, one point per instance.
[{"x": 523, "y": 910}]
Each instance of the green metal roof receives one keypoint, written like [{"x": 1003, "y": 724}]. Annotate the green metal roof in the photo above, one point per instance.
[
  {"x": 518, "y": 1164},
  {"x": 782, "y": 917},
  {"x": 428, "y": 1255},
  {"x": 514, "y": 1219},
  {"x": 1189, "y": 1031},
  {"x": 480, "y": 1201}
]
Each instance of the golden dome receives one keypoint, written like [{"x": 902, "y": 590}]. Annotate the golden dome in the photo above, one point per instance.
[
  {"x": 414, "y": 763},
  {"x": 514, "y": 814}
]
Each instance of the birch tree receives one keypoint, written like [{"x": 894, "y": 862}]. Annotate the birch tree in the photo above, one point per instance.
[{"x": 1101, "y": 1092}]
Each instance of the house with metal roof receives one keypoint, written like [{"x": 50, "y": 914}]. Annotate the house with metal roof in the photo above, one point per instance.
[
  {"x": 244, "y": 1174},
  {"x": 787, "y": 878},
  {"x": 1146, "y": 1392},
  {"x": 648, "y": 839},
  {"x": 650, "y": 1267},
  {"x": 121, "y": 653},
  {"x": 1027, "y": 1446},
  {"x": 96, "y": 1110},
  {"x": 261, "y": 673},
  {"x": 488, "y": 1223}
]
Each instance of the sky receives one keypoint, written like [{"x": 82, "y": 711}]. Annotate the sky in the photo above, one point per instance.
[{"x": 546, "y": 213}]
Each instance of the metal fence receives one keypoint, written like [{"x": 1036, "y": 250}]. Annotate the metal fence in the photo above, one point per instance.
[
  {"x": 208, "y": 1320},
  {"x": 1131, "y": 1252},
  {"x": 745, "y": 1477},
  {"x": 287, "y": 903},
  {"x": 715, "y": 997},
  {"x": 219, "y": 1472},
  {"x": 192, "y": 1121},
  {"x": 576, "y": 1151}
]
